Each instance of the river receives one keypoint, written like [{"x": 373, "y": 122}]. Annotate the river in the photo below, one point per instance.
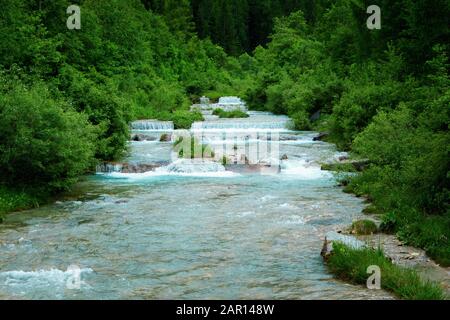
[{"x": 188, "y": 232}]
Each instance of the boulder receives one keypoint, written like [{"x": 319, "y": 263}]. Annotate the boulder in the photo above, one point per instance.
[
  {"x": 165, "y": 137},
  {"x": 321, "y": 136},
  {"x": 138, "y": 168},
  {"x": 142, "y": 137},
  {"x": 127, "y": 167}
]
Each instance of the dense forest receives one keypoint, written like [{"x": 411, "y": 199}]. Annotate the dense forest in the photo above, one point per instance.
[{"x": 67, "y": 96}]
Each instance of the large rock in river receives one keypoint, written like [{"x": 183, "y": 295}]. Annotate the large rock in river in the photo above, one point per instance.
[{"x": 123, "y": 167}]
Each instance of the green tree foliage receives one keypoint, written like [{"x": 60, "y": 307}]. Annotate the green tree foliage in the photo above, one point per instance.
[
  {"x": 177, "y": 13},
  {"x": 242, "y": 25},
  {"x": 127, "y": 62},
  {"x": 44, "y": 141}
]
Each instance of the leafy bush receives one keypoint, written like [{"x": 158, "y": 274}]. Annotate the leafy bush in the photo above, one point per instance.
[
  {"x": 301, "y": 120},
  {"x": 358, "y": 106},
  {"x": 109, "y": 113},
  {"x": 44, "y": 142},
  {"x": 184, "y": 119}
]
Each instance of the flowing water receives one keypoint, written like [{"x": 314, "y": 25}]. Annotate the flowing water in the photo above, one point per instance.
[{"x": 187, "y": 230}]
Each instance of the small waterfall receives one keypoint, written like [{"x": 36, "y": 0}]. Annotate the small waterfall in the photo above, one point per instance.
[
  {"x": 193, "y": 166},
  {"x": 153, "y": 125},
  {"x": 303, "y": 169},
  {"x": 231, "y": 100},
  {"x": 244, "y": 125},
  {"x": 259, "y": 113},
  {"x": 210, "y": 117}
]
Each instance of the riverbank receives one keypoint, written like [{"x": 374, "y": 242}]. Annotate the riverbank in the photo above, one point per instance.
[
  {"x": 410, "y": 257},
  {"x": 412, "y": 273},
  {"x": 352, "y": 264},
  {"x": 409, "y": 272},
  {"x": 12, "y": 200},
  {"x": 426, "y": 231}
]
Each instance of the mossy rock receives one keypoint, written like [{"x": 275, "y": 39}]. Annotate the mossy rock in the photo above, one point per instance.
[{"x": 364, "y": 227}]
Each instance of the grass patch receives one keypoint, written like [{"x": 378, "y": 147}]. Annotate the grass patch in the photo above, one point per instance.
[
  {"x": 364, "y": 227},
  {"x": 16, "y": 200},
  {"x": 424, "y": 231},
  {"x": 371, "y": 209},
  {"x": 230, "y": 114},
  {"x": 351, "y": 265}
]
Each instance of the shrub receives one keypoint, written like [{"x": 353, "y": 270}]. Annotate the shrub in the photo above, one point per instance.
[
  {"x": 44, "y": 142},
  {"x": 183, "y": 119},
  {"x": 301, "y": 120},
  {"x": 359, "y": 105},
  {"x": 230, "y": 114}
]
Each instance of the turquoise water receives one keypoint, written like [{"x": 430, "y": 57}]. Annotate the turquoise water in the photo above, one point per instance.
[{"x": 213, "y": 235}]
